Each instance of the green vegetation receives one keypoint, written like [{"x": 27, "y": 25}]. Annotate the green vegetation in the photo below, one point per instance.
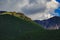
[
  {"x": 12, "y": 27},
  {"x": 15, "y": 28}
]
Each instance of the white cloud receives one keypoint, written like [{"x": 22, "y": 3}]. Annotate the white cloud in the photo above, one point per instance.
[
  {"x": 48, "y": 13},
  {"x": 35, "y": 9},
  {"x": 40, "y": 16},
  {"x": 52, "y": 5}
]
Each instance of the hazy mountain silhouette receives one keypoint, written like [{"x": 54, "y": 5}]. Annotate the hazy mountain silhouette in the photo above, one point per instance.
[{"x": 51, "y": 23}]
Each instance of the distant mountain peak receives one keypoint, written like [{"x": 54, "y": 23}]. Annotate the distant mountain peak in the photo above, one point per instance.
[
  {"x": 50, "y": 23},
  {"x": 56, "y": 17},
  {"x": 2, "y": 11}
]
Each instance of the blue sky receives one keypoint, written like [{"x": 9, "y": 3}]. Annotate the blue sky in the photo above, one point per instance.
[
  {"x": 58, "y": 1},
  {"x": 35, "y": 9},
  {"x": 57, "y": 11}
]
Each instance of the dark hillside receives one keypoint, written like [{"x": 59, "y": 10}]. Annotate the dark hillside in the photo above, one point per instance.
[
  {"x": 15, "y": 28},
  {"x": 11, "y": 27}
]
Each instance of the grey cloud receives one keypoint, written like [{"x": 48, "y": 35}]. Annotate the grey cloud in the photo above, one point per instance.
[
  {"x": 48, "y": 0},
  {"x": 28, "y": 7},
  {"x": 32, "y": 1},
  {"x": 9, "y": 5},
  {"x": 33, "y": 10}
]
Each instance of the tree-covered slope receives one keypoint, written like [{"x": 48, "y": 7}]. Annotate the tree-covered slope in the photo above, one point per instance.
[{"x": 12, "y": 27}]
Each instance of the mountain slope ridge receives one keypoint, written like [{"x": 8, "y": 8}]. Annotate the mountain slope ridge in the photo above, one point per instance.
[
  {"x": 16, "y": 14},
  {"x": 14, "y": 26}
]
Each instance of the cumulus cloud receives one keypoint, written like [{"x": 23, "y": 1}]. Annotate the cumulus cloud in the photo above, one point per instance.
[
  {"x": 40, "y": 16},
  {"x": 35, "y": 9},
  {"x": 49, "y": 7}
]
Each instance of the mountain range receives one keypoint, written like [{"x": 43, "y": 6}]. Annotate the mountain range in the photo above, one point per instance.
[
  {"x": 51, "y": 24},
  {"x": 18, "y": 27}
]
